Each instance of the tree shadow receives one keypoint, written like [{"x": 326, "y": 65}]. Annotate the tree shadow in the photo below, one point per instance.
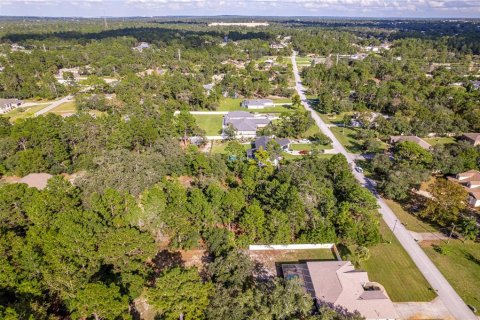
[
  {"x": 166, "y": 259},
  {"x": 472, "y": 258}
]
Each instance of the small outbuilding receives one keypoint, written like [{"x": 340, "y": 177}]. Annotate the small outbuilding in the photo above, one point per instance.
[{"x": 257, "y": 103}]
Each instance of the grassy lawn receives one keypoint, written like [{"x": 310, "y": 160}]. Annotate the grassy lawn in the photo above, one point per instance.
[
  {"x": 392, "y": 267},
  {"x": 311, "y": 131},
  {"x": 410, "y": 221},
  {"x": 288, "y": 156},
  {"x": 334, "y": 118},
  {"x": 272, "y": 259},
  {"x": 309, "y": 254},
  {"x": 20, "y": 113},
  {"x": 303, "y": 61},
  {"x": 67, "y": 107},
  {"x": 461, "y": 267},
  {"x": 211, "y": 123},
  {"x": 219, "y": 146},
  {"x": 301, "y": 146},
  {"x": 230, "y": 104},
  {"x": 307, "y": 146},
  {"x": 346, "y": 136},
  {"x": 440, "y": 140}
]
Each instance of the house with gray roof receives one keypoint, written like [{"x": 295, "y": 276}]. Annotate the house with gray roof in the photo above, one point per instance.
[
  {"x": 422, "y": 143},
  {"x": 338, "y": 283},
  {"x": 261, "y": 142},
  {"x": 245, "y": 123},
  {"x": 473, "y": 138},
  {"x": 9, "y": 104},
  {"x": 257, "y": 103}
]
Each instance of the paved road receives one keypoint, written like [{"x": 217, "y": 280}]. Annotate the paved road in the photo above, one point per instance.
[
  {"x": 54, "y": 105},
  {"x": 437, "y": 281}
]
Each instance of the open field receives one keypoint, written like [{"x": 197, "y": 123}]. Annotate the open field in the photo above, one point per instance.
[
  {"x": 211, "y": 123},
  {"x": 20, "y": 113},
  {"x": 272, "y": 259},
  {"x": 440, "y": 140},
  {"x": 461, "y": 267},
  {"x": 392, "y": 267},
  {"x": 410, "y": 221}
]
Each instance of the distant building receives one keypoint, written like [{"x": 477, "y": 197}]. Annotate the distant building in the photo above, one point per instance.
[
  {"x": 470, "y": 180},
  {"x": 261, "y": 142},
  {"x": 338, "y": 283},
  {"x": 7, "y": 105},
  {"x": 277, "y": 46},
  {"x": 240, "y": 24},
  {"x": 473, "y": 138},
  {"x": 359, "y": 118},
  {"x": 245, "y": 123},
  {"x": 16, "y": 47},
  {"x": 141, "y": 46},
  {"x": 75, "y": 71},
  {"x": 257, "y": 103},
  {"x": 422, "y": 143},
  {"x": 475, "y": 84},
  {"x": 36, "y": 180}
]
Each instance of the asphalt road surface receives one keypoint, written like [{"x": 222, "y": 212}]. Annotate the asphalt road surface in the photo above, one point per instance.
[
  {"x": 54, "y": 105},
  {"x": 437, "y": 281}
]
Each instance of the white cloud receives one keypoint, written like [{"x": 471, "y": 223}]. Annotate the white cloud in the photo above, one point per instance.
[{"x": 252, "y": 7}]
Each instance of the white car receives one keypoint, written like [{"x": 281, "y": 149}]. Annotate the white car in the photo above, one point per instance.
[{"x": 359, "y": 169}]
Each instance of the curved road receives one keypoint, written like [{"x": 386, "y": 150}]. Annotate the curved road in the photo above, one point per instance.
[{"x": 437, "y": 281}]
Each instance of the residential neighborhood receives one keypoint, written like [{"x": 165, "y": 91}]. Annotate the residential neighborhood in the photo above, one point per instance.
[{"x": 251, "y": 160}]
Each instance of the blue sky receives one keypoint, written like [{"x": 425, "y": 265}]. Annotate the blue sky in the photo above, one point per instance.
[{"x": 351, "y": 8}]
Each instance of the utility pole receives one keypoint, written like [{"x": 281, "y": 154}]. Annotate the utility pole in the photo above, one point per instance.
[
  {"x": 451, "y": 233},
  {"x": 337, "y": 60},
  {"x": 105, "y": 24},
  {"x": 393, "y": 230},
  {"x": 179, "y": 55},
  {"x": 44, "y": 49}
]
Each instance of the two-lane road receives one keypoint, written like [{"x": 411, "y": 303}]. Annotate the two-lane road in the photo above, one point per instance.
[{"x": 447, "y": 294}]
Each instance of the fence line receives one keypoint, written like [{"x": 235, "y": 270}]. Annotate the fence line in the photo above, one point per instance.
[{"x": 291, "y": 246}]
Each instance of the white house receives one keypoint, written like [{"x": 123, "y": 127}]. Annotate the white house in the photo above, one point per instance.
[
  {"x": 257, "y": 103},
  {"x": 9, "y": 104},
  {"x": 245, "y": 123},
  {"x": 470, "y": 180}
]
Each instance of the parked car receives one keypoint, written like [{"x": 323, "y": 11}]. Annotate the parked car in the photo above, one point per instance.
[{"x": 359, "y": 169}]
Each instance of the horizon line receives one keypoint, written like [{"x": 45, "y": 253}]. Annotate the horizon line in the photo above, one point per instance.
[{"x": 244, "y": 16}]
